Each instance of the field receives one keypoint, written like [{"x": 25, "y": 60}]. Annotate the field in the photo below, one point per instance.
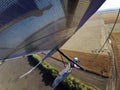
[{"x": 100, "y": 64}]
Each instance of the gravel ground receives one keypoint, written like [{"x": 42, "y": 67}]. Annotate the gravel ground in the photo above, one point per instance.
[{"x": 10, "y": 72}]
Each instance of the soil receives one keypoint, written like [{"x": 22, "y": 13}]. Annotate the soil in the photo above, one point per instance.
[
  {"x": 11, "y": 71},
  {"x": 100, "y": 64}
]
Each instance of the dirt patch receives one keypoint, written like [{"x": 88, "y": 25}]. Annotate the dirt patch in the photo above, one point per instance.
[
  {"x": 37, "y": 80},
  {"x": 100, "y": 64}
]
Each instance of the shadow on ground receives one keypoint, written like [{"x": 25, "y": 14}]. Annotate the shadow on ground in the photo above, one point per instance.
[{"x": 46, "y": 77}]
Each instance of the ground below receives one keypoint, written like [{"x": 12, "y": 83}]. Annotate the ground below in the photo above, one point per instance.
[
  {"x": 116, "y": 46},
  {"x": 11, "y": 71},
  {"x": 100, "y": 64}
]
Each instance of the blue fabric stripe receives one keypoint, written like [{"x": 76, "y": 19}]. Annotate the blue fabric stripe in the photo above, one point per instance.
[{"x": 24, "y": 54}]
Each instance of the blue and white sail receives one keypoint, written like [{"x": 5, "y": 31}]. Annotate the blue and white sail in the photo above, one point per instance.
[
  {"x": 63, "y": 74},
  {"x": 31, "y": 26}
]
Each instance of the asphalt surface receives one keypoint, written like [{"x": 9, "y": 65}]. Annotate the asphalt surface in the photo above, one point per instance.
[{"x": 11, "y": 71}]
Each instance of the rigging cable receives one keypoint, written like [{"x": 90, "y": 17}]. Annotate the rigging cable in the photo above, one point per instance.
[
  {"x": 108, "y": 35},
  {"x": 62, "y": 59}
]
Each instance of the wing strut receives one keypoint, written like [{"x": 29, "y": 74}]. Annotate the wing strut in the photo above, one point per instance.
[{"x": 69, "y": 59}]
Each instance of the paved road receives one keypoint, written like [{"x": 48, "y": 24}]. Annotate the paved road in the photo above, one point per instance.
[
  {"x": 88, "y": 78},
  {"x": 112, "y": 84}
]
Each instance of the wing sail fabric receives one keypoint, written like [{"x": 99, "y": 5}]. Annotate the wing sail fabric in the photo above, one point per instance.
[
  {"x": 28, "y": 26},
  {"x": 63, "y": 74}
]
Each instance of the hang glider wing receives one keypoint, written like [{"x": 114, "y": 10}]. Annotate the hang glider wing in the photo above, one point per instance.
[
  {"x": 64, "y": 73},
  {"x": 33, "y": 26}
]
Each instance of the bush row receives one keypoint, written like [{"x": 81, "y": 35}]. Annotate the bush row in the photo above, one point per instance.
[{"x": 70, "y": 82}]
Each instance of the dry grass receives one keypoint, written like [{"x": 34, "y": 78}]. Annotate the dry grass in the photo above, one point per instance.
[
  {"x": 100, "y": 65},
  {"x": 116, "y": 47},
  {"x": 110, "y": 16}
]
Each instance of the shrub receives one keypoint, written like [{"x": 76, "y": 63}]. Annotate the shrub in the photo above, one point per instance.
[
  {"x": 53, "y": 72},
  {"x": 36, "y": 57},
  {"x": 70, "y": 82}
]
